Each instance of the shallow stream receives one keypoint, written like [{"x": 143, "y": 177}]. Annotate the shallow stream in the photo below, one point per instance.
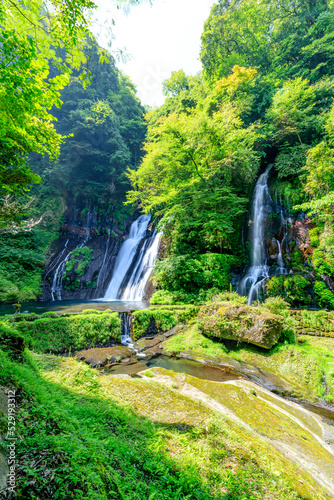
[{"x": 75, "y": 306}]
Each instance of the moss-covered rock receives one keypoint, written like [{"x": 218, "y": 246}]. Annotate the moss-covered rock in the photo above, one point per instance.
[
  {"x": 160, "y": 319},
  {"x": 74, "y": 331},
  {"x": 242, "y": 323},
  {"x": 11, "y": 341}
]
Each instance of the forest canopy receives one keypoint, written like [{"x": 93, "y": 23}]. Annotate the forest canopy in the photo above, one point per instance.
[
  {"x": 265, "y": 95},
  {"x": 41, "y": 45}
]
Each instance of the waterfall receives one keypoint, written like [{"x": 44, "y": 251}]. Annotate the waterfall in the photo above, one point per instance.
[
  {"x": 280, "y": 263},
  {"x": 104, "y": 260},
  {"x": 57, "y": 282},
  {"x": 143, "y": 269},
  {"x": 134, "y": 262},
  {"x": 126, "y": 329},
  {"x": 258, "y": 270},
  {"x": 58, "y": 275}
]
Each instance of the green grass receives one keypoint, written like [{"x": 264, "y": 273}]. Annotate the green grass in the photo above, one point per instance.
[
  {"x": 165, "y": 318},
  {"x": 85, "y": 436},
  {"x": 58, "y": 334},
  {"x": 303, "y": 364}
]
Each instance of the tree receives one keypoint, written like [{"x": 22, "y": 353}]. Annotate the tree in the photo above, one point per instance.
[
  {"x": 41, "y": 43},
  {"x": 30, "y": 35},
  {"x": 291, "y": 109},
  {"x": 177, "y": 82},
  {"x": 282, "y": 37},
  {"x": 196, "y": 172}
]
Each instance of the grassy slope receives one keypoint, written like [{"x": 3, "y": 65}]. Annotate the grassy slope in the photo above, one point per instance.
[
  {"x": 302, "y": 364},
  {"x": 86, "y": 436}
]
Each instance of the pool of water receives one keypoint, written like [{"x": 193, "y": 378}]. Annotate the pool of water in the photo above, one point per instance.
[
  {"x": 179, "y": 365},
  {"x": 74, "y": 306}
]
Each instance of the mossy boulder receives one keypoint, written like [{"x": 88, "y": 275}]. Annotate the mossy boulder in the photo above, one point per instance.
[
  {"x": 155, "y": 320},
  {"x": 240, "y": 322},
  {"x": 11, "y": 341}
]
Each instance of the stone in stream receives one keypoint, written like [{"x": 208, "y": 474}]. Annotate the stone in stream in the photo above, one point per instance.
[
  {"x": 101, "y": 356},
  {"x": 241, "y": 323}
]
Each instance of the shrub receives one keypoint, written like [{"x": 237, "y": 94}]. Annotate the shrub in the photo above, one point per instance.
[
  {"x": 79, "y": 260},
  {"x": 162, "y": 297},
  {"x": 230, "y": 297},
  {"x": 289, "y": 329},
  {"x": 324, "y": 297},
  {"x": 17, "y": 318},
  {"x": 314, "y": 236},
  {"x": 11, "y": 341},
  {"x": 74, "y": 331},
  {"x": 275, "y": 305},
  {"x": 184, "y": 273},
  {"x": 165, "y": 318},
  {"x": 294, "y": 288}
]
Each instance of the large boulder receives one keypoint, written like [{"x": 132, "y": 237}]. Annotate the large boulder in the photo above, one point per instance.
[{"x": 240, "y": 322}]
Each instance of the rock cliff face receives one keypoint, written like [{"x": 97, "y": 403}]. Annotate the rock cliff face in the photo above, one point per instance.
[
  {"x": 80, "y": 262},
  {"x": 286, "y": 233}
]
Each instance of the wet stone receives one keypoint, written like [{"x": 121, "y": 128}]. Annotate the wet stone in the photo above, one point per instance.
[{"x": 101, "y": 356}]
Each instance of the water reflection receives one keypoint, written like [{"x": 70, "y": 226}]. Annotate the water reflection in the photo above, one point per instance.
[{"x": 75, "y": 306}]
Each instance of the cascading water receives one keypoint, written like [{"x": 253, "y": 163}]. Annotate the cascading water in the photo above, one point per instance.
[
  {"x": 57, "y": 281},
  {"x": 126, "y": 329},
  {"x": 143, "y": 269},
  {"x": 104, "y": 261},
  {"x": 134, "y": 262},
  {"x": 259, "y": 270}
]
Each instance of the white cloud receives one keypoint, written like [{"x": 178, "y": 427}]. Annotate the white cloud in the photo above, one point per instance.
[{"x": 161, "y": 38}]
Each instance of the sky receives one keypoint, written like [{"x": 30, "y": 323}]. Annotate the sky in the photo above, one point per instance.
[{"x": 158, "y": 38}]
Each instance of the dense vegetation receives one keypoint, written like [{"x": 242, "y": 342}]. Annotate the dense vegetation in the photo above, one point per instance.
[
  {"x": 265, "y": 96},
  {"x": 71, "y": 134},
  {"x": 108, "y": 437},
  {"x": 94, "y": 129}
]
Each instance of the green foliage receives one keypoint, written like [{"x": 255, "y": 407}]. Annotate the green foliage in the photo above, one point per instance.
[
  {"x": 290, "y": 112},
  {"x": 202, "y": 272},
  {"x": 320, "y": 323},
  {"x": 164, "y": 318},
  {"x": 77, "y": 331},
  {"x": 230, "y": 297},
  {"x": 314, "y": 236},
  {"x": 105, "y": 128},
  {"x": 176, "y": 83},
  {"x": 279, "y": 39},
  {"x": 79, "y": 259},
  {"x": 11, "y": 341},
  {"x": 324, "y": 296},
  {"x": 29, "y": 39},
  {"x": 295, "y": 289},
  {"x": 289, "y": 329},
  {"x": 275, "y": 305},
  {"x": 162, "y": 297},
  {"x": 199, "y": 168}
]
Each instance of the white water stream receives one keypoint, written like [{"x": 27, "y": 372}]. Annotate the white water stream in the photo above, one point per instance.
[
  {"x": 134, "y": 262},
  {"x": 57, "y": 282},
  {"x": 258, "y": 272}
]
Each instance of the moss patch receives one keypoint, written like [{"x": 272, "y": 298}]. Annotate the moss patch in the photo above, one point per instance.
[
  {"x": 105, "y": 437},
  {"x": 161, "y": 318},
  {"x": 304, "y": 365},
  {"x": 62, "y": 333}
]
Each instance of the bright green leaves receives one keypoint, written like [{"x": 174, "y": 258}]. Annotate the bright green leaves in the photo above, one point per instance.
[
  {"x": 196, "y": 171},
  {"x": 282, "y": 38},
  {"x": 291, "y": 109},
  {"x": 176, "y": 83},
  {"x": 31, "y": 33}
]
